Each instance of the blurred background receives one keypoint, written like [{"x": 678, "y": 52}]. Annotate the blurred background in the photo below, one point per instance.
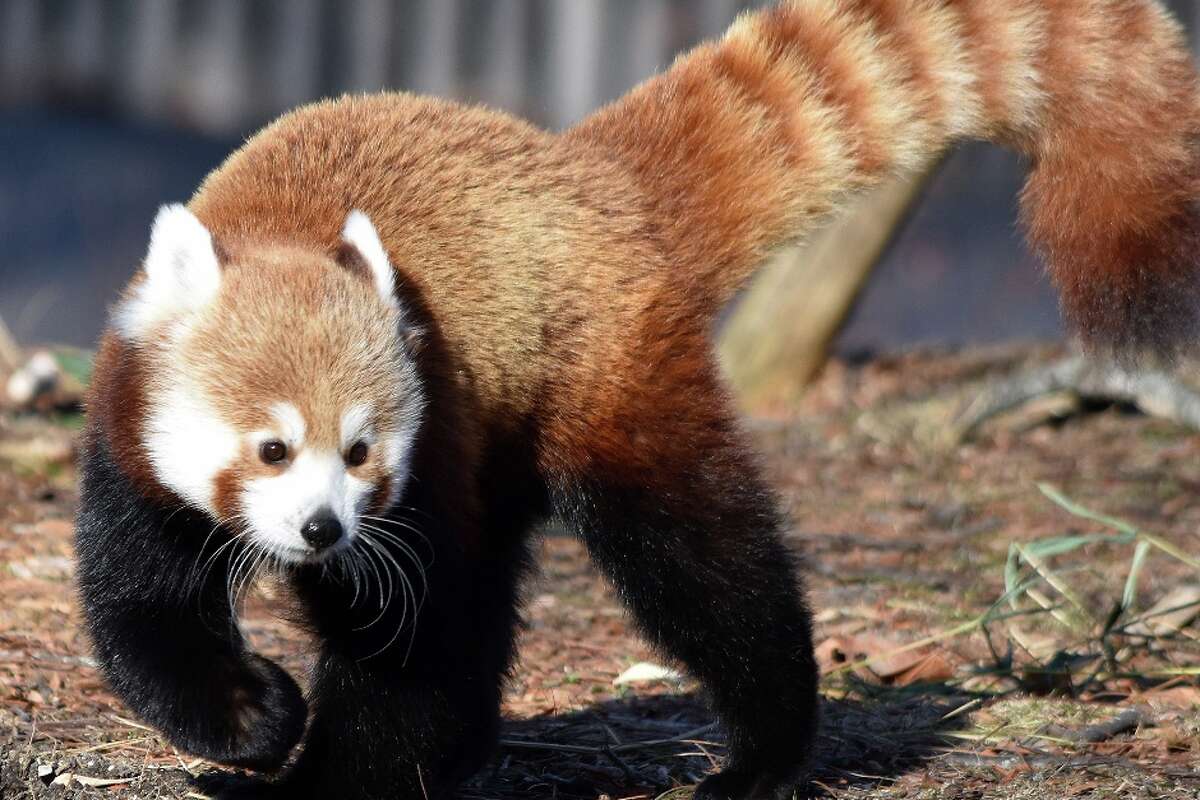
[{"x": 109, "y": 108}]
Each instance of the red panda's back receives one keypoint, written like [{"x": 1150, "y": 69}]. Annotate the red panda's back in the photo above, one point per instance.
[{"x": 509, "y": 240}]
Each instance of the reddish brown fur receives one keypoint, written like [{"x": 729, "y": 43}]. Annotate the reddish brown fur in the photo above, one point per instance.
[
  {"x": 1112, "y": 200},
  {"x": 572, "y": 280},
  {"x": 116, "y": 409},
  {"x": 561, "y": 291},
  {"x": 900, "y": 34}
]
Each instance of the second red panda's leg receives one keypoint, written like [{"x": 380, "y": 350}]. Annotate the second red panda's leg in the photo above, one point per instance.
[{"x": 694, "y": 550}]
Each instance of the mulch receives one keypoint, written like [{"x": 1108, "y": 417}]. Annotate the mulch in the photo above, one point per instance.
[{"x": 905, "y": 537}]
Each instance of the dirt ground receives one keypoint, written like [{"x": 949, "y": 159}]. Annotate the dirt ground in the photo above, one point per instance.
[{"x": 1058, "y": 692}]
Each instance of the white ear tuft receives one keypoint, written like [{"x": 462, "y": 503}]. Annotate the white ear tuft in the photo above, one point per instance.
[
  {"x": 182, "y": 273},
  {"x": 360, "y": 232}
]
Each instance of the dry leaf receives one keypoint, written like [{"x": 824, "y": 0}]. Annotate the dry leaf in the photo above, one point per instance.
[
  {"x": 1179, "y": 697},
  {"x": 933, "y": 668},
  {"x": 645, "y": 672},
  {"x": 885, "y": 658},
  {"x": 1172, "y": 613}
]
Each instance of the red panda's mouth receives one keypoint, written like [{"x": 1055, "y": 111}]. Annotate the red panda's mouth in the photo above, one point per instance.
[{"x": 296, "y": 556}]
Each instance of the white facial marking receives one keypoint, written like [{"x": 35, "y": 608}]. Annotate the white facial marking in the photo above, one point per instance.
[
  {"x": 278, "y": 506},
  {"x": 356, "y": 426},
  {"x": 182, "y": 275},
  {"x": 291, "y": 423},
  {"x": 360, "y": 232},
  {"x": 188, "y": 444},
  {"x": 397, "y": 452}
]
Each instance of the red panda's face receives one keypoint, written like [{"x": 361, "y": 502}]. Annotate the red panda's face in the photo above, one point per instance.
[{"x": 283, "y": 400}]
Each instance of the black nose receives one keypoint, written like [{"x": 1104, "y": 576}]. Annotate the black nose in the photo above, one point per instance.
[{"x": 322, "y": 529}]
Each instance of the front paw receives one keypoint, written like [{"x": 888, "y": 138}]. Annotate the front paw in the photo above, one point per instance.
[
  {"x": 743, "y": 784},
  {"x": 257, "y": 716}
]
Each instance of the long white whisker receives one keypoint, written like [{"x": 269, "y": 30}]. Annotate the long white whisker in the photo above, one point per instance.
[
  {"x": 385, "y": 600},
  {"x": 403, "y": 545},
  {"x": 241, "y": 562},
  {"x": 348, "y": 563},
  {"x": 198, "y": 583},
  {"x": 250, "y": 576},
  {"x": 192, "y": 573},
  {"x": 374, "y": 553},
  {"x": 406, "y": 593},
  {"x": 231, "y": 577},
  {"x": 403, "y": 523},
  {"x": 409, "y": 589},
  {"x": 367, "y": 563}
]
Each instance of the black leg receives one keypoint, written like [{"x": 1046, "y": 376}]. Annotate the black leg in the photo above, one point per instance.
[
  {"x": 166, "y": 641},
  {"x": 400, "y": 711},
  {"x": 696, "y": 555}
]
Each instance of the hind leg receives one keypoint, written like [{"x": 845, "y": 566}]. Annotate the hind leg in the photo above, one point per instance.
[{"x": 693, "y": 547}]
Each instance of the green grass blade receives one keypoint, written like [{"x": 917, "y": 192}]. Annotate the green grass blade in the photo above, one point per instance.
[
  {"x": 1135, "y": 570},
  {"x": 1057, "y": 545},
  {"x": 1012, "y": 575},
  {"x": 1056, "y": 581},
  {"x": 1172, "y": 550},
  {"x": 1072, "y": 507}
]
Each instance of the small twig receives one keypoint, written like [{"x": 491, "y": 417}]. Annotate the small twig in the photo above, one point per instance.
[
  {"x": 517, "y": 744},
  {"x": 1013, "y": 760},
  {"x": 1041, "y": 760},
  {"x": 109, "y": 745},
  {"x": 967, "y": 706},
  {"x": 1154, "y": 392},
  {"x": 683, "y": 737},
  {"x": 630, "y": 775},
  {"x": 711, "y": 758},
  {"x": 131, "y": 723},
  {"x": 1127, "y": 720},
  {"x": 606, "y": 749}
]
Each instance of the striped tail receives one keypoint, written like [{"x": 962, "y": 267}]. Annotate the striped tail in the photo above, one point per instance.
[{"x": 744, "y": 144}]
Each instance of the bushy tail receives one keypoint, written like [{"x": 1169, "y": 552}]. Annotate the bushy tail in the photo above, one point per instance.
[{"x": 745, "y": 143}]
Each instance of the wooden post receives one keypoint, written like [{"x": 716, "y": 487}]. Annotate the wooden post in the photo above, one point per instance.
[
  {"x": 10, "y": 352},
  {"x": 779, "y": 334}
]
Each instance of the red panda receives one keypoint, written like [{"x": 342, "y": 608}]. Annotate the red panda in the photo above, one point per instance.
[{"x": 391, "y": 334}]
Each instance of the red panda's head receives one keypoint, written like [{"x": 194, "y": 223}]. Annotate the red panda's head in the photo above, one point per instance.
[{"x": 280, "y": 395}]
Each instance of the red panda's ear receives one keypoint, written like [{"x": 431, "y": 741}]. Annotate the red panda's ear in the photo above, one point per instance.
[
  {"x": 182, "y": 274},
  {"x": 362, "y": 250}
]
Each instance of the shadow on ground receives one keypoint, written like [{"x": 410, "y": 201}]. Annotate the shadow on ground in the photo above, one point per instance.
[{"x": 655, "y": 746}]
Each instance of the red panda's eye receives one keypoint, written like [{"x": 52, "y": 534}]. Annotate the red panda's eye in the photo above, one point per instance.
[
  {"x": 357, "y": 454},
  {"x": 272, "y": 451}
]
